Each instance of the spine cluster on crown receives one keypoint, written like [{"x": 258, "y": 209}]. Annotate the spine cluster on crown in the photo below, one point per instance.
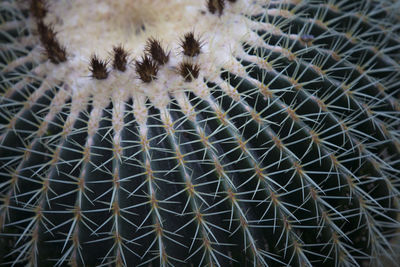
[
  {"x": 54, "y": 50},
  {"x": 154, "y": 57},
  {"x": 146, "y": 67}
]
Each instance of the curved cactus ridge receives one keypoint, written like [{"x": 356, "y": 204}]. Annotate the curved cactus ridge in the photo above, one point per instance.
[{"x": 199, "y": 133}]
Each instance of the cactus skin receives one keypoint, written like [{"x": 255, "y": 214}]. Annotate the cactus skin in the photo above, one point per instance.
[{"x": 290, "y": 155}]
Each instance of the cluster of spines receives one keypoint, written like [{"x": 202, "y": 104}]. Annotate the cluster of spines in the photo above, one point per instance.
[
  {"x": 189, "y": 71},
  {"x": 38, "y": 9},
  {"x": 156, "y": 51},
  {"x": 98, "y": 68},
  {"x": 356, "y": 147},
  {"x": 154, "y": 57},
  {"x": 54, "y": 50},
  {"x": 120, "y": 59},
  {"x": 217, "y": 6},
  {"x": 146, "y": 68},
  {"x": 191, "y": 46}
]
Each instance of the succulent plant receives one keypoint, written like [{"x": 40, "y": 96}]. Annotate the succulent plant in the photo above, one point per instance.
[{"x": 199, "y": 133}]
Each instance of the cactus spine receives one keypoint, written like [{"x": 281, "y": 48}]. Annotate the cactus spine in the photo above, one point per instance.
[{"x": 199, "y": 133}]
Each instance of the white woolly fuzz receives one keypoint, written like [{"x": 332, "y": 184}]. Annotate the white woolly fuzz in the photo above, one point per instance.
[{"x": 93, "y": 27}]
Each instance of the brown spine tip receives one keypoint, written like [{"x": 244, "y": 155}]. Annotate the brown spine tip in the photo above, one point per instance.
[
  {"x": 55, "y": 52},
  {"x": 120, "y": 58},
  {"x": 191, "y": 46},
  {"x": 216, "y": 6},
  {"x": 154, "y": 48},
  {"x": 38, "y": 8},
  {"x": 98, "y": 68},
  {"x": 147, "y": 69},
  {"x": 189, "y": 71}
]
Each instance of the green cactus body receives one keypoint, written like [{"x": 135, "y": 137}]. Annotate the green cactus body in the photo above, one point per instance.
[{"x": 199, "y": 133}]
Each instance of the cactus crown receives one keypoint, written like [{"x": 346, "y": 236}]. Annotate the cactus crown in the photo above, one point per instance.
[{"x": 199, "y": 133}]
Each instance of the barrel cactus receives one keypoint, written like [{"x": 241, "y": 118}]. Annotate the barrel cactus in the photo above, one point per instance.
[{"x": 199, "y": 133}]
